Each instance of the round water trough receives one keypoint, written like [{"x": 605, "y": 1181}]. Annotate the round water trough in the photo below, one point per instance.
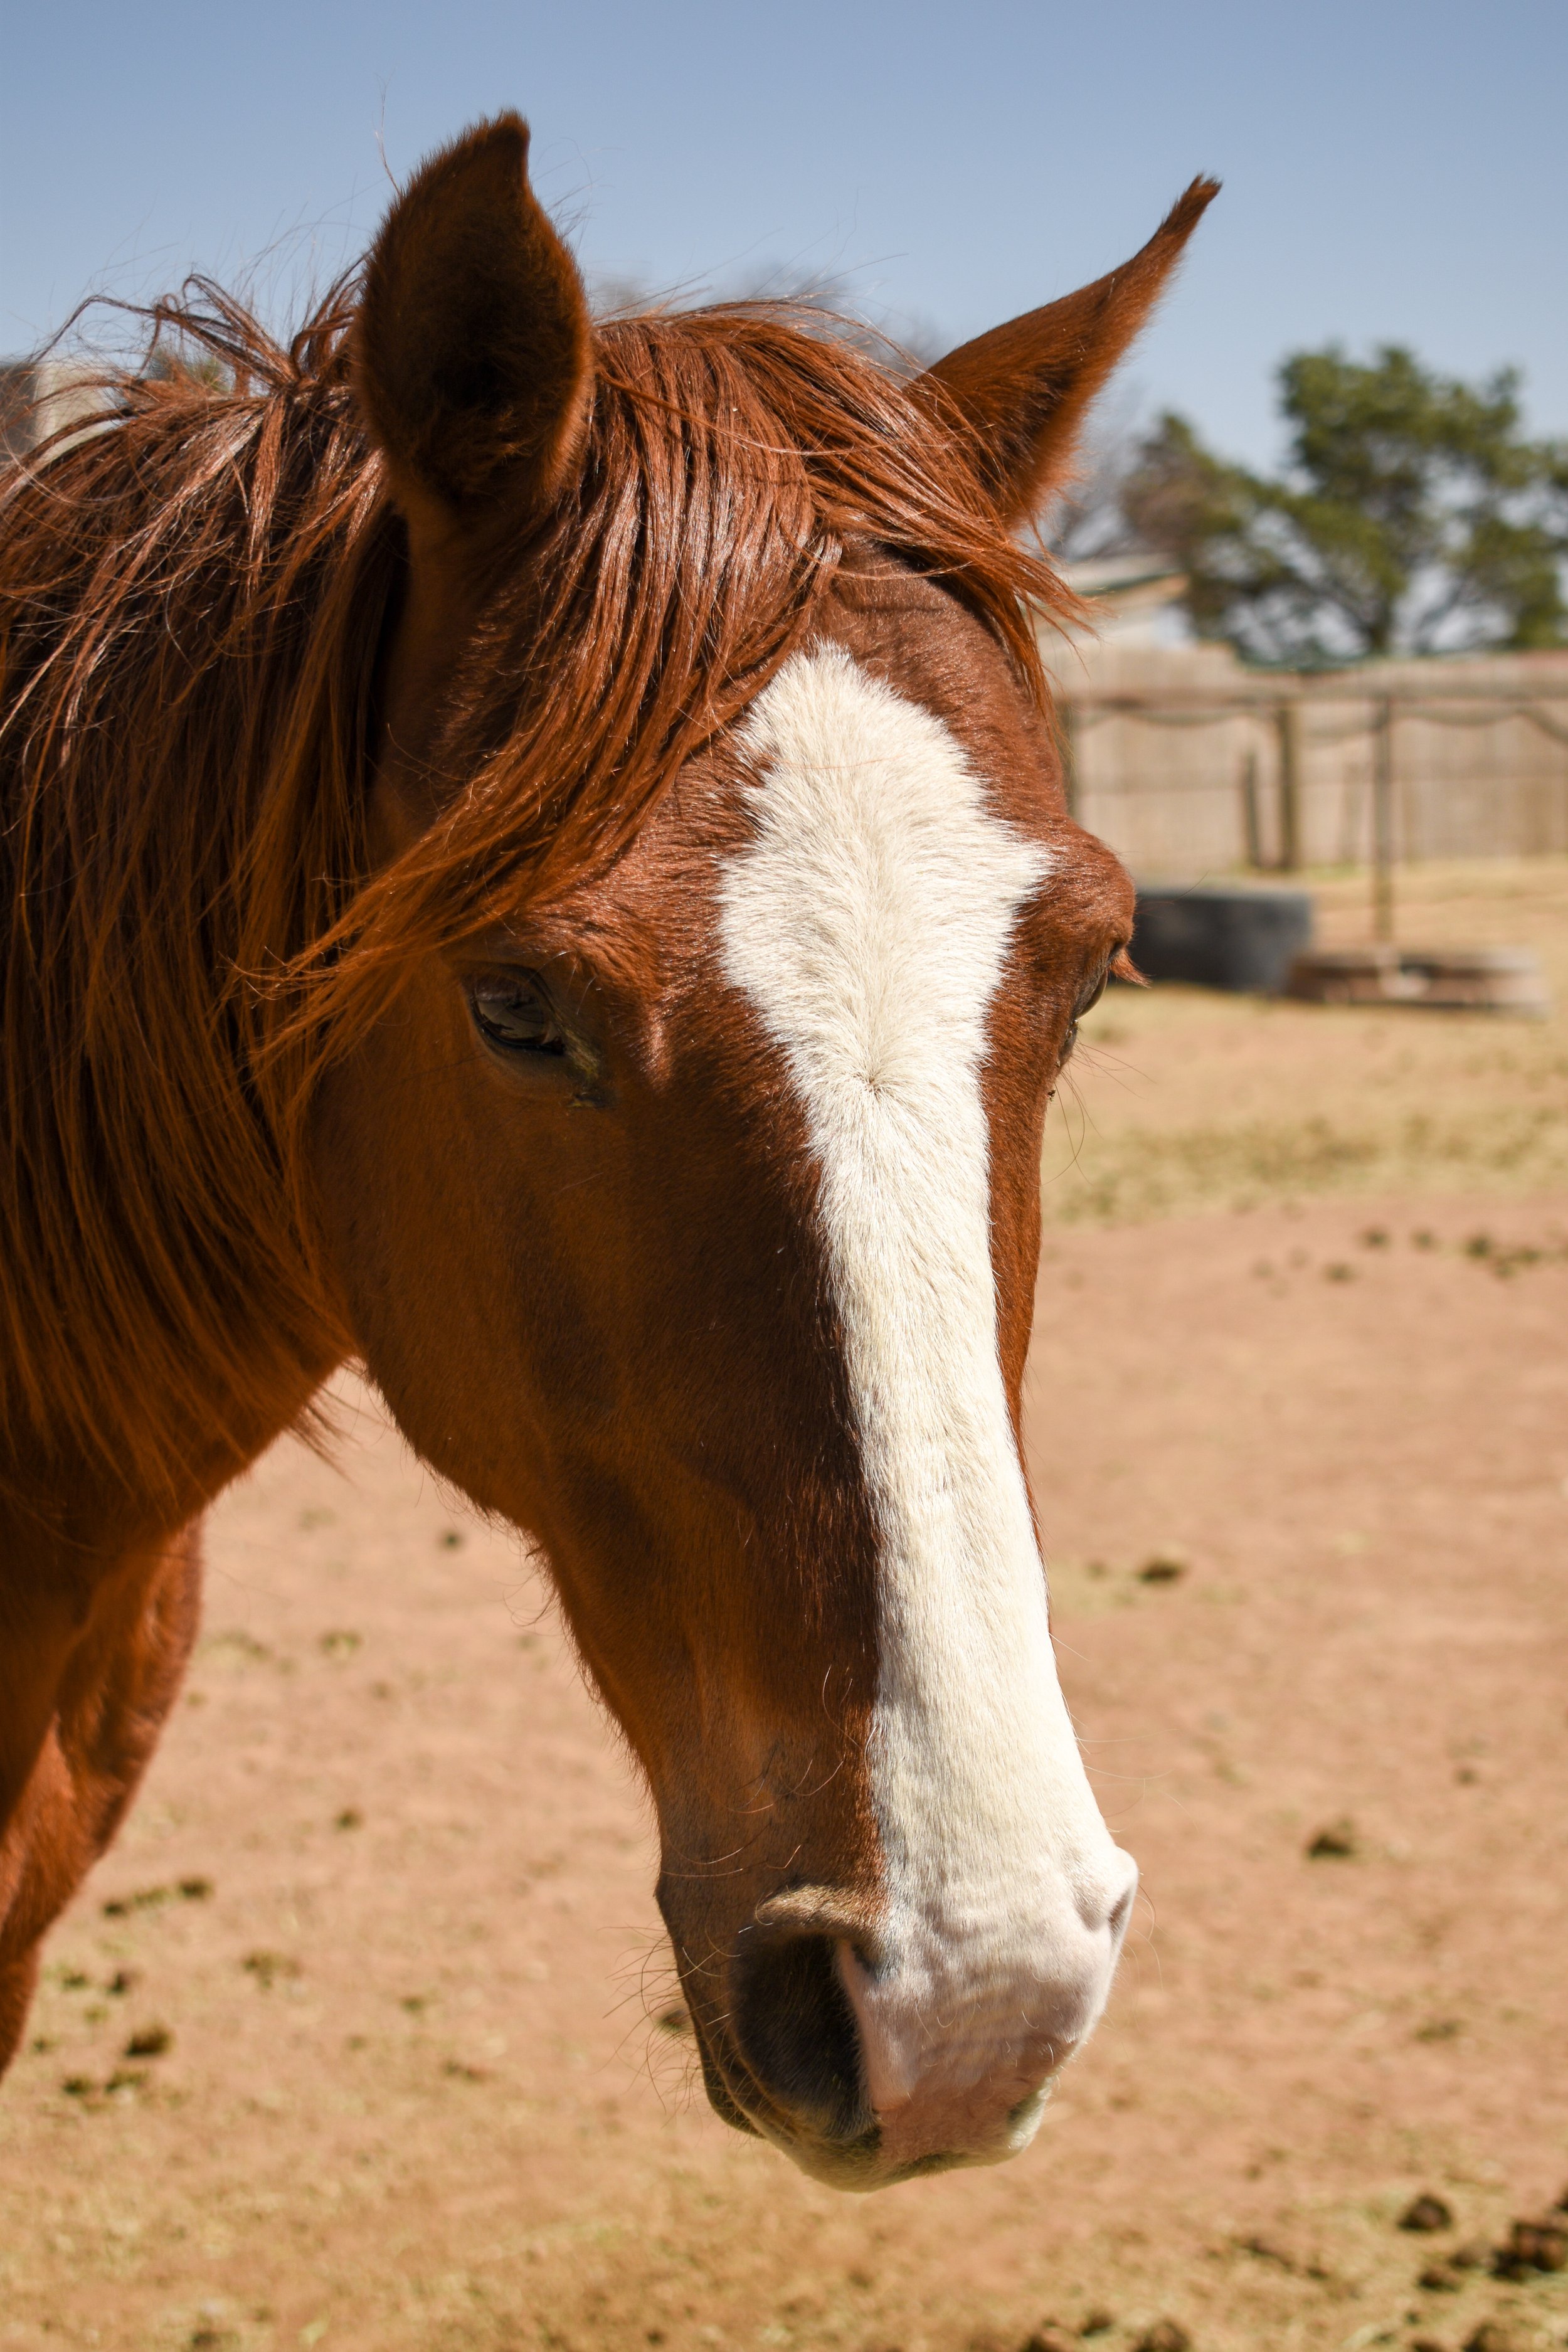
[{"x": 1221, "y": 935}]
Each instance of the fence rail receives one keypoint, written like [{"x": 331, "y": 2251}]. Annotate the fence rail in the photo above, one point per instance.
[{"x": 1189, "y": 775}]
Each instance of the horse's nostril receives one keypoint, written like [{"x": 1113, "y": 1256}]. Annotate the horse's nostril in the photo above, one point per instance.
[
  {"x": 797, "y": 2034},
  {"x": 1121, "y": 1910}
]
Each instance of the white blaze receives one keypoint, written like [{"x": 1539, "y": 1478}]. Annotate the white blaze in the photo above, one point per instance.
[{"x": 867, "y": 923}]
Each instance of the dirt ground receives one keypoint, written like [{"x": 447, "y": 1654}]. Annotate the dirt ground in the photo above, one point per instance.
[{"x": 388, "y": 1893}]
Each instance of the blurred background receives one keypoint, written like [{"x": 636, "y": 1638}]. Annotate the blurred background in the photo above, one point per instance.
[{"x": 363, "y": 2034}]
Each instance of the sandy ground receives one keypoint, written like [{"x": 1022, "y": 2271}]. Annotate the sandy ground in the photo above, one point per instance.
[
  {"x": 1181, "y": 1099},
  {"x": 388, "y": 1893}
]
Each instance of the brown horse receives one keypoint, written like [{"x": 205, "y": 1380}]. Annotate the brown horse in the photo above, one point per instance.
[{"x": 533, "y": 856}]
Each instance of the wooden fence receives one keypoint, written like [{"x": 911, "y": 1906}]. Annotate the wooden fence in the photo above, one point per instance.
[{"x": 1189, "y": 764}]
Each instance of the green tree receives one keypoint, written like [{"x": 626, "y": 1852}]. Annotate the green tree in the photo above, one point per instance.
[
  {"x": 184, "y": 364},
  {"x": 1412, "y": 516}
]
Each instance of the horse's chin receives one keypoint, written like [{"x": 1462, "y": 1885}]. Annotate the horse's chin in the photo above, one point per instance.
[
  {"x": 719, "y": 2099},
  {"x": 864, "y": 2164}
]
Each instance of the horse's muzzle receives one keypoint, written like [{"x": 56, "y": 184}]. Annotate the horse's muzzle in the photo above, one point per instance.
[{"x": 871, "y": 2059}]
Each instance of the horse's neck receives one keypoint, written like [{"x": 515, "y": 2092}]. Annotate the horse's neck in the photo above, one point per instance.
[{"x": 60, "y": 1504}]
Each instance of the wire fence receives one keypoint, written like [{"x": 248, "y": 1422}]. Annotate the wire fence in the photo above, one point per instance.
[{"x": 1413, "y": 761}]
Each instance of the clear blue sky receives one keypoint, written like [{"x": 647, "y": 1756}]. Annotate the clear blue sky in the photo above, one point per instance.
[{"x": 1394, "y": 169}]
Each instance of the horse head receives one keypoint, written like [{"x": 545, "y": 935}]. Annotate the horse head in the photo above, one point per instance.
[{"x": 684, "y": 1197}]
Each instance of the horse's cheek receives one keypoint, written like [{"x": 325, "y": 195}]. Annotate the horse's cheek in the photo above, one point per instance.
[{"x": 398, "y": 1171}]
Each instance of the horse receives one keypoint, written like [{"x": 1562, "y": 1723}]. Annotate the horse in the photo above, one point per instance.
[{"x": 536, "y": 859}]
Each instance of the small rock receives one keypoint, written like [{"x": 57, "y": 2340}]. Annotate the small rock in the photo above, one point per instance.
[
  {"x": 267, "y": 1966},
  {"x": 1049, "y": 2338},
  {"x": 1266, "y": 2250},
  {"x": 1491, "y": 2336},
  {"x": 1540, "y": 2245},
  {"x": 1339, "y": 1842},
  {"x": 1473, "y": 2255},
  {"x": 150, "y": 2041},
  {"x": 1165, "y": 2335},
  {"x": 1162, "y": 1569},
  {"x": 1440, "y": 2278},
  {"x": 1098, "y": 2322},
  {"x": 124, "y": 1980},
  {"x": 1426, "y": 2212}
]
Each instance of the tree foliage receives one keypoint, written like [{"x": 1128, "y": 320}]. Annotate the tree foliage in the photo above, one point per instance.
[{"x": 1412, "y": 516}]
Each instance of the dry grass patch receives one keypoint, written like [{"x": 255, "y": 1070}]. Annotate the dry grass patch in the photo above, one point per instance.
[{"x": 1182, "y": 1101}]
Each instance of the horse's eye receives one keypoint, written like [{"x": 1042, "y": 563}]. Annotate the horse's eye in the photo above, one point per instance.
[
  {"x": 515, "y": 1013},
  {"x": 1089, "y": 997},
  {"x": 1093, "y": 990}
]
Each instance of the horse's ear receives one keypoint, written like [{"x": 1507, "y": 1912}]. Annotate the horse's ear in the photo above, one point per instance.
[
  {"x": 1020, "y": 393},
  {"x": 473, "y": 356}
]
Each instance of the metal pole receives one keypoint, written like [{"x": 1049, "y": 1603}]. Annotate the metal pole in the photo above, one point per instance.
[
  {"x": 1383, "y": 821},
  {"x": 1286, "y": 721}
]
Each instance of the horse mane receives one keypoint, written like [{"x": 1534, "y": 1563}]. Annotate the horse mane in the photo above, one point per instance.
[{"x": 194, "y": 595}]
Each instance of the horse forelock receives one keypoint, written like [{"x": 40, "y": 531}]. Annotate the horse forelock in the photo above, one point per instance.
[
  {"x": 193, "y": 600},
  {"x": 731, "y": 457}
]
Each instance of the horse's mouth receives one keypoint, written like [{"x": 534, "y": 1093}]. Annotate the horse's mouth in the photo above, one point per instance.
[
  {"x": 852, "y": 2159},
  {"x": 725, "y": 2105}
]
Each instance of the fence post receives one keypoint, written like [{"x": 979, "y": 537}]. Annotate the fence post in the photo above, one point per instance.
[
  {"x": 1252, "y": 830},
  {"x": 1287, "y": 722},
  {"x": 1067, "y": 746},
  {"x": 1382, "y": 820}
]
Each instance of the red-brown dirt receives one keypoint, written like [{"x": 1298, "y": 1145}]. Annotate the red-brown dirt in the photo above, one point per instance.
[{"x": 413, "y": 2099}]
